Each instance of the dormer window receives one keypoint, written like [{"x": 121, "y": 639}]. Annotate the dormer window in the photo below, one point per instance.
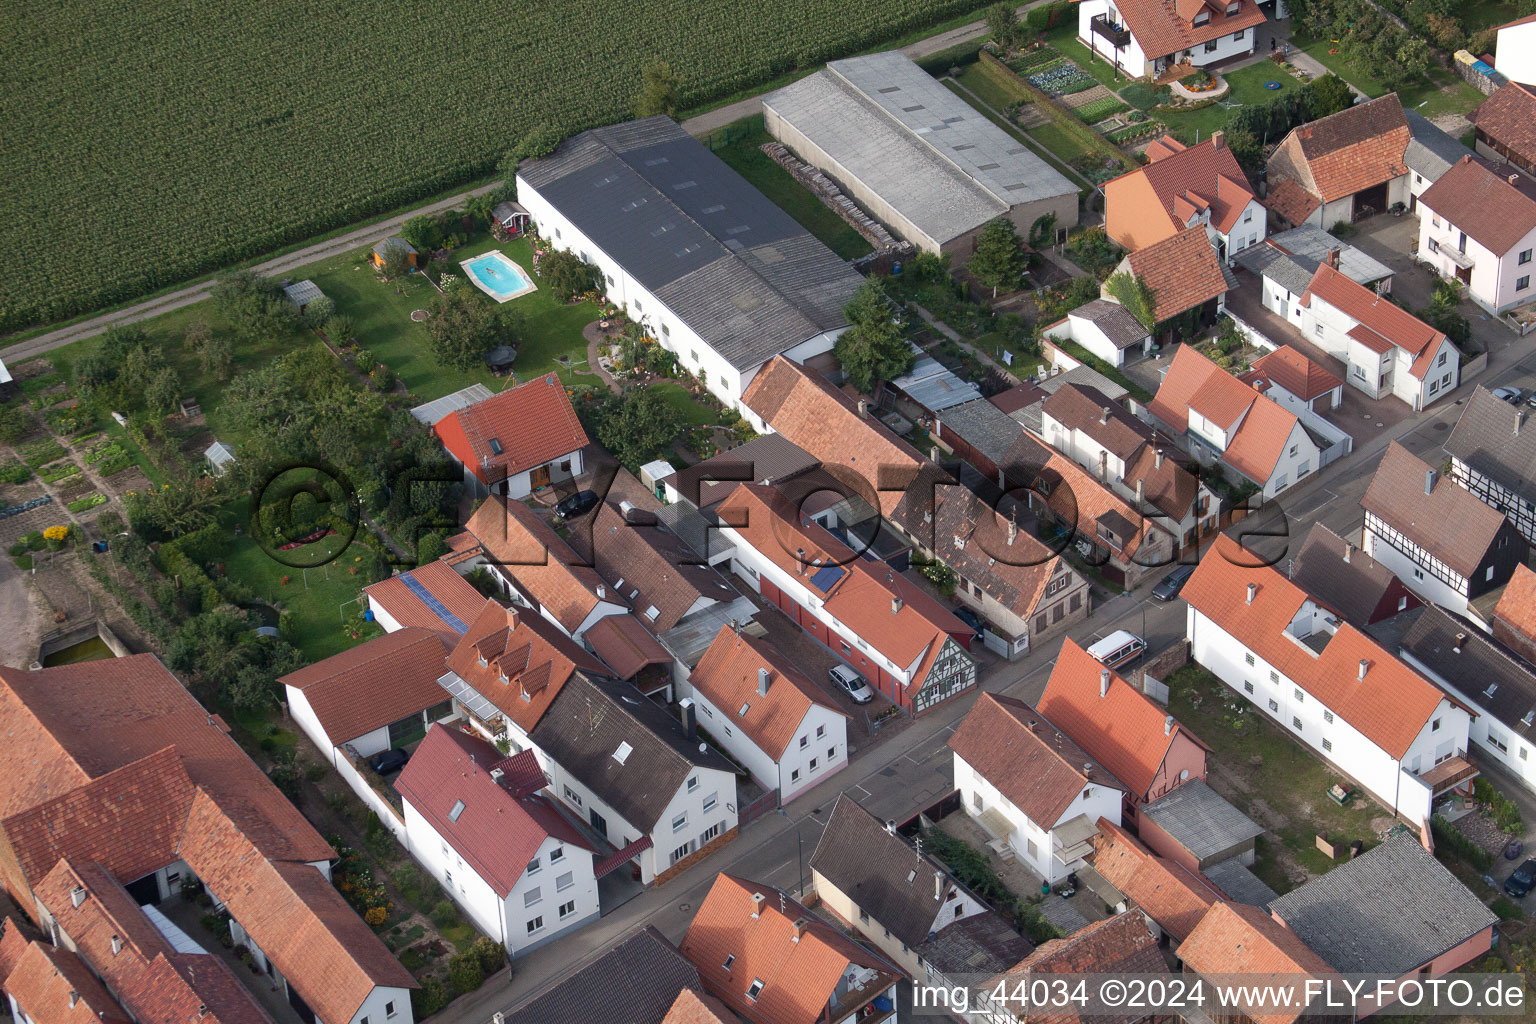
[
  {"x": 1232, "y": 8},
  {"x": 1202, "y": 18},
  {"x": 482, "y": 661}
]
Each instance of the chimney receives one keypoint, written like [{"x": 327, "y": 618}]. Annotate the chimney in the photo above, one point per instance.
[
  {"x": 1363, "y": 666},
  {"x": 74, "y": 998},
  {"x": 1429, "y": 481},
  {"x": 1103, "y": 683},
  {"x": 1104, "y": 415},
  {"x": 1103, "y": 465},
  {"x": 890, "y": 826},
  {"x": 1461, "y": 638},
  {"x": 1141, "y": 491},
  {"x": 1168, "y": 726},
  {"x": 762, "y": 682},
  {"x": 1253, "y": 591},
  {"x": 1514, "y": 179},
  {"x": 690, "y": 720},
  {"x": 863, "y": 409},
  {"x": 1158, "y": 462},
  {"x": 800, "y": 924},
  {"x": 1013, "y": 527},
  {"x": 602, "y": 591},
  {"x": 938, "y": 885},
  {"x": 1349, "y": 549},
  {"x": 1333, "y": 257},
  {"x": 933, "y": 452},
  {"x": 895, "y": 605},
  {"x": 1519, "y": 421},
  {"x": 1219, "y": 139},
  {"x": 757, "y": 904}
]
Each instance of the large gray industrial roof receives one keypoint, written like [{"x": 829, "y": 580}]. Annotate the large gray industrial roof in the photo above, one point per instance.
[
  {"x": 933, "y": 157},
  {"x": 739, "y": 271}
]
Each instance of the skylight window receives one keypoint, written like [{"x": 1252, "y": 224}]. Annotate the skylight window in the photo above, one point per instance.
[
  {"x": 495, "y": 444},
  {"x": 755, "y": 989},
  {"x": 743, "y": 710},
  {"x": 458, "y": 809},
  {"x": 622, "y": 754}
]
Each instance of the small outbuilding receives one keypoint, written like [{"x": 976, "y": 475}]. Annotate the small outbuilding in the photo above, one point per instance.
[
  {"x": 382, "y": 250},
  {"x": 302, "y": 293},
  {"x": 220, "y": 457}
]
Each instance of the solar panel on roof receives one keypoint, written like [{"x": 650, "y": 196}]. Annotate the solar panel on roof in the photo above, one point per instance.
[
  {"x": 415, "y": 586},
  {"x": 826, "y": 577}
]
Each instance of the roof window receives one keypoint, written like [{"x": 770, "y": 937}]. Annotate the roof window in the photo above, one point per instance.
[{"x": 458, "y": 809}]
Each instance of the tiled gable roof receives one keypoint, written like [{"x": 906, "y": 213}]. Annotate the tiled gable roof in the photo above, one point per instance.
[
  {"x": 503, "y": 821},
  {"x": 1517, "y": 605},
  {"x": 1118, "y": 945},
  {"x": 1193, "y": 381},
  {"x": 799, "y": 978},
  {"x": 1087, "y": 410},
  {"x": 1353, "y": 588},
  {"x": 1172, "y": 895},
  {"x": 803, "y": 406},
  {"x": 522, "y": 427},
  {"x": 1164, "y": 27},
  {"x": 1123, "y": 729},
  {"x": 404, "y": 598},
  {"x": 644, "y": 972},
  {"x": 626, "y": 645},
  {"x": 1496, "y": 440},
  {"x": 1197, "y": 818},
  {"x": 53, "y": 986},
  {"x": 375, "y": 683},
  {"x": 693, "y": 1008},
  {"x": 526, "y": 548},
  {"x": 1495, "y": 211},
  {"x": 1029, "y": 760},
  {"x": 1390, "y": 707},
  {"x": 1509, "y": 118},
  {"x": 1182, "y": 271},
  {"x": 728, "y": 677},
  {"x": 655, "y": 569},
  {"x": 293, "y": 913},
  {"x": 1441, "y": 517},
  {"x": 1290, "y": 201},
  {"x": 1080, "y": 499},
  {"x": 1386, "y": 318},
  {"x": 1179, "y": 184},
  {"x": 535, "y": 658},
  {"x": 1292, "y": 370},
  {"x": 1121, "y": 328},
  {"x": 972, "y": 538},
  {"x": 1235, "y": 939},
  {"x": 1356, "y": 148},
  {"x": 1166, "y": 484}
]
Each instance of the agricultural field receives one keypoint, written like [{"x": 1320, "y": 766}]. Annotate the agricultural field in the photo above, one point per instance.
[{"x": 147, "y": 144}]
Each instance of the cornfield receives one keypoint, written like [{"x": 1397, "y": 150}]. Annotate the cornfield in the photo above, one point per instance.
[{"x": 146, "y": 144}]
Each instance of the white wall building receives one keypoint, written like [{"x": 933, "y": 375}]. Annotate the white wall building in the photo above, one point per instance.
[
  {"x": 1479, "y": 227},
  {"x": 1146, "y": 39}
]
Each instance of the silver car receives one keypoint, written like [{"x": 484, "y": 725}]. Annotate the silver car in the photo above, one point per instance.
[{"x": 851, "y": 683}]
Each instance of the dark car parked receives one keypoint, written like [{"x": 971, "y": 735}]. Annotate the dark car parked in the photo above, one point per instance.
[
  {"x": 387, "y": 761},
  {"x": 1521, "y": 882},
  {"x": 1169, "y": 586},
  {"x": 970, "y": 618},
  {"x": 576, "y": 504}
]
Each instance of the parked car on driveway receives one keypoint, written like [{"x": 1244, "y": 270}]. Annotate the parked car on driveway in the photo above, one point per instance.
[
  {"x": 576, "y": 504},
  {"x": 970, "y": 618},
  {"x": 1510, "y": 395},
  {"x": 851, "y": 683},
  {"x": 387, "y": 761},
  {"x": 1169, "y": 586},
  {"x": 1523, "y": 879}
]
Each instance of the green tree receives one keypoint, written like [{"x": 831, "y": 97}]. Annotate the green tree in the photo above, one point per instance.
[
  {"x": 13, "y": 423},
  {"x": 464, "y": 326},
  {"x": 430, "y": 547},
  {"x": 252, "y": 305},
  {"x": 998, "y": 262},
  {"x": 659, "y": 86},
  {"x": 183, "y": 504},
  {"x": 196, "y": 335},
  {"x": 1245, "y": 147},
  {"x": 568, "y": 275},
  {"x": 217, "y": 357},
  {"x": 1003, "y": 25},
  {"x": 424, "y": 231},
  {"x": 319, "y": 311},
  {"x": 1330, "y": 94},
  {"x": 1132, "y": 293},
  {"x": 873, "y": 347},
  {"x": 253, "y": 689},
  {"x": 636, "y": 425},
  {"x": 340, "y": 329},
  {"x": 1055, "y": 303},
  {"x": 162, "y": 392}
]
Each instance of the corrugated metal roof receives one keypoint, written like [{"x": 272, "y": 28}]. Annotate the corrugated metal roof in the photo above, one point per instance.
[
  {"x": 430, "y": 412},
  {"x": 934, "y": 386}
]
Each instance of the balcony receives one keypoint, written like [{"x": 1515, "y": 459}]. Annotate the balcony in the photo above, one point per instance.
[
  {"x": 1119, "y": 37},
  {"x": 857, "y": 1004}
]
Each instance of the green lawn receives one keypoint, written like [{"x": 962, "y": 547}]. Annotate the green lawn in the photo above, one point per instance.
[
  {"x": 1475, "y": 17},
  {"x": 1281, "y": 784},
  {"x": 693, "y": 413},
  {"x": 1059, "y": 141},
  {"x": 1441, "y": 92},
  {"x": 773, "y": 181},
  {"x": 1037, "y": 145},
  {"x": 1247, "y": 87}
]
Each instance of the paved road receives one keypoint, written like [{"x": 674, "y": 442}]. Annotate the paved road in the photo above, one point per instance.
[
  {"x": 713, "y": 120},
  {"x": 274, "y": 267}
]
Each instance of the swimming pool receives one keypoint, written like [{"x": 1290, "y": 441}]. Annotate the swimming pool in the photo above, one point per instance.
[{"x": 498, "y": 276}]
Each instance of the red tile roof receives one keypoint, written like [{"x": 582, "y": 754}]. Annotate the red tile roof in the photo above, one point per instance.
[
  {"x": 1450, "y": 523},
  {"x": 1079, "y": 498},
  {"x": 1509, "y": 118},
  {"x": 531, "y": 424},
  {"x": 1517, "y": 604},
  {"x": 972, "y": 537},
  {"x": 1162, "y": 27},
  {"x": 1378, "y": 313},
  {"x": 693, "y": 1008},
  {"x": 727, "y": 676},
  {"x": 1194, "y": 382},
  {"x": 457, "y": 596},
  {"x": 526, "y": 548},
  {"x": 1389, "y": 707},
  {"x": 1124, "y": 730},
  {"x": 502, "y": 824},
  {"x": 1166, "y": 146},
  {"x": 625, "y": 645},
  {"x": 53, "y": 986},
  {"x": 294, "y": 914},
  {"x": 1354, "y": 149},
  {"x": 82, "y": 721},
  {"x": 804, "y": 406},
  {"x": 1171, "y": 894},
  {"x": 1290, "y": 369},
  {"x": 1236, "y": 939},
  {"x": 1486, "y": 205},
  {"x": 1161, "y": 197},
  {"x": 1030, "y": 761},
  {"x": 1182, "y": 271},
  {"x": 862, "y": 598},
  {"x": 1291, "y": 201},
  {"x": 531, "y": 653},
  {"x": 374, "y": 684},
  {"x": 798, "y": 979},
  {"x": 1118, "y": 945}
]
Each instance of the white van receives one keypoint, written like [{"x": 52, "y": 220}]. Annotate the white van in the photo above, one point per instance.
[{"x": 1118, "y": 648}]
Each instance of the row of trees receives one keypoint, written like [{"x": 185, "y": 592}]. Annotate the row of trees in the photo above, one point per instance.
[{"x": 1251, "y": 127}]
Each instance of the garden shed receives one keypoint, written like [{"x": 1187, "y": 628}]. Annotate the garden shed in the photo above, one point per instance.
[
  {"x": 302, "y": 293},
  {"x": 220, "y": 457},
  {"x": 382, "y": 250}
]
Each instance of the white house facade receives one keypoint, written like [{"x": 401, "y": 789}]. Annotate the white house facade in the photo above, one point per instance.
[{"x": 817, "y": 747}]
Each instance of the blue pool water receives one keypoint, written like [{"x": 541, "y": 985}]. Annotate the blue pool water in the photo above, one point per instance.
[{"x": 498, "y": 274}]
